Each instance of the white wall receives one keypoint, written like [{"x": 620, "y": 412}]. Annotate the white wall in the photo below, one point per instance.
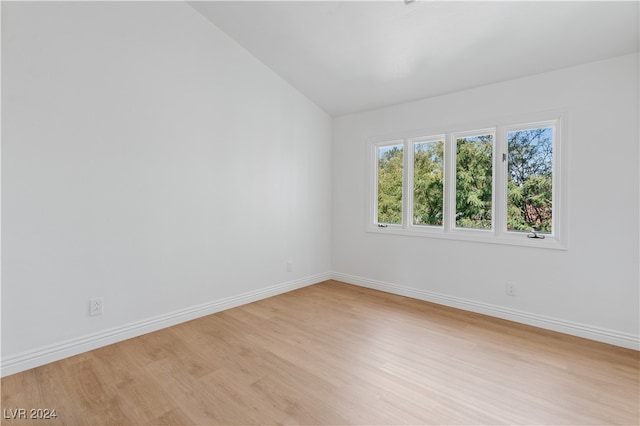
[
  {"x": 589, "y": 290},
  {"x": 147, "y": 159}
]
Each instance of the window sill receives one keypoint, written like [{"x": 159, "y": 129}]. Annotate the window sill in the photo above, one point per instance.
[{"x": 476, "y": 236}]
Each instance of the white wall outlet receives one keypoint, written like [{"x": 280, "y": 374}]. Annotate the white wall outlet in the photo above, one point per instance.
[
  {"x": 96, "y": 306},
  {"x": 289, "y": 266},
  {"x": 511, "y": 289}
]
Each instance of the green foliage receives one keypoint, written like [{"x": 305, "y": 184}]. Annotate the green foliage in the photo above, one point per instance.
[
  {"x": 474, "y": 158},
  {"x": 390, "y": 185},
  {"x": 428, "y": 183},
  {"x": 529, "y": 188}
]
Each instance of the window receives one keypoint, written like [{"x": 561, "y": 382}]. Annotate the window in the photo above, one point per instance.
[
  {"x": 530, "y": 179},
  {"x": 428, "y": 182},
  {"x": 390, "y": 166},
  {"x": 499, "y": 184},
  {"x": 474, "y": 180}
]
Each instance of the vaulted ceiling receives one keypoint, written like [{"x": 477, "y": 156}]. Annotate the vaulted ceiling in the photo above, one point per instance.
[{"x": 349, "y": 56}]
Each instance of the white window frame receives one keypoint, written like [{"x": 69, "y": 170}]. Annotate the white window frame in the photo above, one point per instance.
[
  {"x": 452, "y": 178},
  {"x": 499, "y": 233},
  {"x": 410, "y": 175},
  {"x": 374, "y": 199},
  {"x": 558, "y": 223}
]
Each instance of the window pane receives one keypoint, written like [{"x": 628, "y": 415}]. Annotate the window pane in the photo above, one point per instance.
[
  {"x": 428, "y": 182},
  {"x": 474, "y": 164},
  {"x": 390, "y": 184},
  {"x": 530, "y": 178}
]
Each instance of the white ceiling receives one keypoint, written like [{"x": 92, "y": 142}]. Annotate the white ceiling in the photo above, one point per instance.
[{"x": 350, "y": 56}]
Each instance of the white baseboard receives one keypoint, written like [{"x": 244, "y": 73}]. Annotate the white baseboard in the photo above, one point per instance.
[
  {"x": 33, "y": 358},
  {"x": 575, "y": 329},
  {"x": 16, "y": 363}
]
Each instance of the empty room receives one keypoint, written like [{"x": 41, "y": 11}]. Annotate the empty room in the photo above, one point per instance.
[{"x": 320, "y": 212}]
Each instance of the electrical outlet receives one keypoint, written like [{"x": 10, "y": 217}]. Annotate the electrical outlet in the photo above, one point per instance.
[
  {"x": 96, "y": 306},
  {"x": 511, "y": 289},
  {"x": 289, "y": 266}
]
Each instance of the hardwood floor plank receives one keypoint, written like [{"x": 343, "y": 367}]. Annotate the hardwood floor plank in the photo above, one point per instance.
[{"x": 337, "y": 354}]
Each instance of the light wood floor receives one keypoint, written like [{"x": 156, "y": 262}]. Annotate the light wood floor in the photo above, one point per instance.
[{"x": 335, "y": 354}]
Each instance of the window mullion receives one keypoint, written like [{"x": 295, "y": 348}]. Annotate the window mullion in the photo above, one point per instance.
[
  {"x": 407, "y": 185},
  {"x": 449, "y": 183},
  {"x": 500, "y": 183}
]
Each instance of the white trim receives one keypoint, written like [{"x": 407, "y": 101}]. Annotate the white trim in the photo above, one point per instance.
[
  {"x": 16, "y": 363},
  {"x": 586, "y": 331},
  {"x": 36, "y": 357}
]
